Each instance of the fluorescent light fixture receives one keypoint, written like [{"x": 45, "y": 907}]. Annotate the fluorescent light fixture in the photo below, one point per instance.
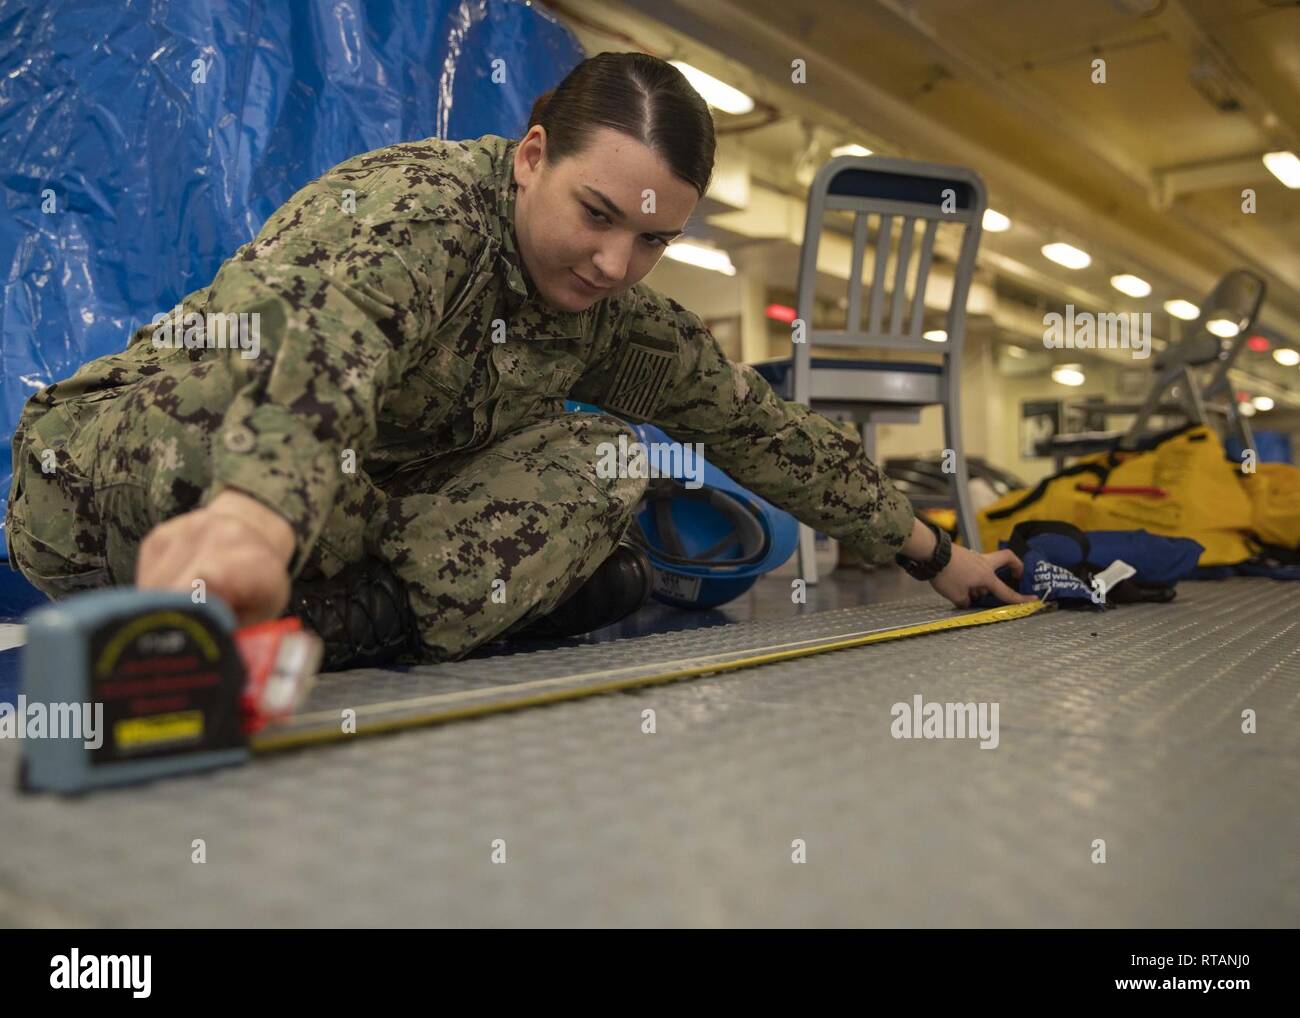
[
  {"x": 1263, "y": 402},
  {"x": 701, "y": 257},
  {"x": 1130, "y": 285},
  {"x": 1068, "y": 255},
  {"x": 1183, "y": 309},
  {"x": 1285, "y": 166},
  {"x": 717, "y": 94},
  {"x": 1016, "y": 351},
  {"x": 995, "y": 221},
  {"x": 1068, "y": 374},
  {"x": 1222, "y": 327},
  {"x": 1287, "y": 357},
  {"x": 936, "y": 336},
  {"x": 1246, "y": 409},
  {"x": 849, "y": 150}
]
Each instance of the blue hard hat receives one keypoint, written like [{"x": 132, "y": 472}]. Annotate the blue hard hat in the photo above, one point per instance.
[{"x": 709, "y": 544}]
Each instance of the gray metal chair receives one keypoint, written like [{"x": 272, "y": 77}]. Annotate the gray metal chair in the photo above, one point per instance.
[
  {"x": 905, "y": 193},
  {"x": 1176, "y": 390}
]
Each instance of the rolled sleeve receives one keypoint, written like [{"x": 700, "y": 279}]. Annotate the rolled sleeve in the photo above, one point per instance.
[
  {"x": 339, "y": 318},
  {"x": 274, "y": 457}
]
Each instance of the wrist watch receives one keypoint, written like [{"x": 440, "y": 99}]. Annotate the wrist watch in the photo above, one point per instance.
[{"x": 932, "y": 567}]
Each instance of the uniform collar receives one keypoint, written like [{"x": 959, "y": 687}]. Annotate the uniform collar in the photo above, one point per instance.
[
  {"x": 518, "y": 282},
  {"x": 539, "y": 319}
]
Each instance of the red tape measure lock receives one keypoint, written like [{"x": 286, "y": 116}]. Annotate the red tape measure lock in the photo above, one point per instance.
[{"x": 281, "y": 660}]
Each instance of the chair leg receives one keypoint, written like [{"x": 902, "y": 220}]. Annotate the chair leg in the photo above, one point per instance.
[
  {"x": 867, "y": 428},
  {"x": 808, "y": 554},
  {"x": 1244, "y": 432},
  {"x": 961, "y": 481}
]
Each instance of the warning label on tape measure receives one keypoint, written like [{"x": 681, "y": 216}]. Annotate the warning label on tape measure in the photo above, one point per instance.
[
  {"x": 169, "y": 681},
  {"x": 141, "y": 733}
]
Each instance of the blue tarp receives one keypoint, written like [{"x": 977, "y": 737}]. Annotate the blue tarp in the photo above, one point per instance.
[{"x": 143, "y": 142}]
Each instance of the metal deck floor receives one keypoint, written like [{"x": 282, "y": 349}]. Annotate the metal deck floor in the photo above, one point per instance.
[{"x": 1124, "y": 726}]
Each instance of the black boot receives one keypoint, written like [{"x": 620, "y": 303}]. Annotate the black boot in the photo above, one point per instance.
[
  {"x": 361, "y": 615},
  {"x": 619, "y": 586}
]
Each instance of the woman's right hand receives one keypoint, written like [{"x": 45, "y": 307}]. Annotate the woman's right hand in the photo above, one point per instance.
[{"x": 237, "y": 546}]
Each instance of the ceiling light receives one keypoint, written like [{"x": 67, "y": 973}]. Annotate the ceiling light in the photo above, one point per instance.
[
  {"x": 995, "y": 221},
  {"x": 1068, "y": 374},
  {"x": 1068, "y": 255},
  {"x": 1133, "y": 286},
  {"x": 849, "y": 150},
  {"x": 701, "y": 257},
  {"x": 1287, "y": 357},
  {"x": 935, "y": 336},
  {"x": 1263, "y": 402},
  {"x": 1285, "y": 166},
  {"x": 1223, "y": 327},
  {"x": 717, "y": 94},
  {"x": 1183, "y": 309}
]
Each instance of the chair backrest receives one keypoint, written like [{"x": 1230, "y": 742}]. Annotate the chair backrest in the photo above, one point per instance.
[
  {"x": 900, "y": 192},
  {"x": 1236, "y": 298},
  {"x": 907, "y": 193}
]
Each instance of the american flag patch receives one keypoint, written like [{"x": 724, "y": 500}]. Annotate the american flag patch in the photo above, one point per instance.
[{"x": 639, "y": 381}]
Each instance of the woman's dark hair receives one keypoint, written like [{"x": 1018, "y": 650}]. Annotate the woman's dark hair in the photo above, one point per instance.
[{"x": 642, "y": 96}]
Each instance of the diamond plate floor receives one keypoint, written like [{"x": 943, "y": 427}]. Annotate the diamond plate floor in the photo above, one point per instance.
[{"x": 1124, "y": 727}]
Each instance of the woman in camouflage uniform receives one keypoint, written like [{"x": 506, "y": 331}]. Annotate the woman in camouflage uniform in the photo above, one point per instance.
[{"x": 395, "y": 462}]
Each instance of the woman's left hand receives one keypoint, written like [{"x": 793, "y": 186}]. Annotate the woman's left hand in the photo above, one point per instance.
[{"x": 968, "y": 577}]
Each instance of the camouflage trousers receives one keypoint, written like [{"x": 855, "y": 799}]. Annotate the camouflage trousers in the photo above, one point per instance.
[{"x": 484, "y": 540}]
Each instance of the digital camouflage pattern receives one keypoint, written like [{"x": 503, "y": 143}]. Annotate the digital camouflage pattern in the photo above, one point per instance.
[{"x": 407, "y": 401}]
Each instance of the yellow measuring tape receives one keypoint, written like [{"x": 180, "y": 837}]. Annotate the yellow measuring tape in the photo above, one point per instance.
[{"x": 418, "y": 711}]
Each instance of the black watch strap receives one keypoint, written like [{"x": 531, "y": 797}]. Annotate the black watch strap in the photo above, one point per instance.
[{"x": 936, "y": 563}]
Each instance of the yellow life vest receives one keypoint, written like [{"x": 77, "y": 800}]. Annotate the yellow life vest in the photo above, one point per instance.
[
  {"x": 1055, "y": 498},
  {"x": 1274, "y": 492},
  {"x": 1182, "y": 485}
]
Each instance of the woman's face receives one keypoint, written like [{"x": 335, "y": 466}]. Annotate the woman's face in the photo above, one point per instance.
[{"x": 583, "y": 221}]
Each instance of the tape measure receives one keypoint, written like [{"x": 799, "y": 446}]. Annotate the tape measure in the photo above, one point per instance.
[
  {"x": 157, "y": 685},
  {"x": 132, "y": 685},
  {"x": 140, "y": 684},
  {"x": 322, "y": 727}
]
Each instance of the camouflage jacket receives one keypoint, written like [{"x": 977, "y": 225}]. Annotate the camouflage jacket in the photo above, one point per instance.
[{"x": 397, "y": 322}]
